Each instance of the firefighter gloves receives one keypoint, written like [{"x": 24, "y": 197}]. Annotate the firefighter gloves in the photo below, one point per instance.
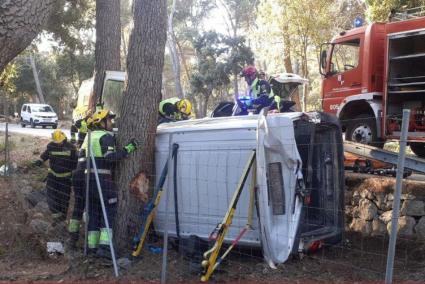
[{"x": 131, "y": 147}]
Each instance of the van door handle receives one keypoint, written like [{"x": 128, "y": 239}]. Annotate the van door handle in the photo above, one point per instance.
[{"x": 355, "y": 84}]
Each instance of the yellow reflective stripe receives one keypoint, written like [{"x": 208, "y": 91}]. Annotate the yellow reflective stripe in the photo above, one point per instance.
[
  {"x": 93, "y": 239},
  {"x": 60, "y": 153},
  {"x": 99, "y": 171},
  {"x": 67, "y": 174},
  {"x": 74, "y": 226},
  {"x": 105, "y": 236}
]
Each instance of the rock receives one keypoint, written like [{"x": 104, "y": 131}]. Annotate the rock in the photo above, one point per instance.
[
  {"x": 405, "y": 226},
  {"x": 390, "y": 197},
  {"x": 407, "y": 196},
  {"x": 378, "y": 227},
  {"x": 40, "y": 226},
  {"x": 42, "y": 207},
  {"x": 362, "y": 226},
  {"x": 367, "y": 209},
  {"x": 366, "y": 194},
  {"x": 389, "y": 205},
  {"x": 355, "y": 199},
  {"x": 34, "y": 197},
  {"x": 348, "y": 197},
  {"x": 386, "y": 216},
  {"x": 413, "y": 208},
  {"x": 380, "y": 201},
  {"x": 420, "y": 228}
]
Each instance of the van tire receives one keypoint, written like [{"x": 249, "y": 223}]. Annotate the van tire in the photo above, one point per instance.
[
  {"x": 364, "y": 127},
  {"x": 23, "y": 123},
  {"x": 55, "y": 126},
  {"x": 418, "y": 148},
  {"x": 32, "y": 123}
]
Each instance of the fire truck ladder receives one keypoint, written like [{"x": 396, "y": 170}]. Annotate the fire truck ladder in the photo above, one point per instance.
[
  {"x": 414, "y": 163},
  {"x": 407, "y": 14}
]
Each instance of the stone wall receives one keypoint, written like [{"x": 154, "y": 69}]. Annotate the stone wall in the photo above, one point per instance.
[{"x": 369, "y": 204}]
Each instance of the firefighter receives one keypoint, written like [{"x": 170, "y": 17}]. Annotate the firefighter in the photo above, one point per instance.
[
  {"x": 259, "y": 92},
  {"x": 80, "y": 127},
  {"x": 106, "y": 155},
  {"x": 62, "y": 158},
  {"x": 174, "y": 109},
  {"x": 79, "y": 187}
]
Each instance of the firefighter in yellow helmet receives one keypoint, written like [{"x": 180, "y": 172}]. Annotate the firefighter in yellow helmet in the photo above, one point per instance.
[
  {"x": 106, "y": 155},
  {"x": 62, "y": 158},
  {"x": 174, "y": 109}
]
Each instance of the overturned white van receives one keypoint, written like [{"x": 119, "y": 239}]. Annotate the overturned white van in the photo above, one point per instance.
[{"x": 299, "y": 179}]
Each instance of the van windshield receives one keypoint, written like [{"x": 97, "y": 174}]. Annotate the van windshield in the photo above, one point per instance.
[
  {"x": 112, "y": 95},
  {"x": 41, "y": 109}
]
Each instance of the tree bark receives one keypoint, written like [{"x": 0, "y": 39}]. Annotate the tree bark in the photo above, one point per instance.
[
  {"x": 173, "y": 53},
  {"x": 108, "y": 41},
  {"x": 37, "y": 80},
  {"x": 145, "y": 63},
  {"x": 20, "y": 22}
]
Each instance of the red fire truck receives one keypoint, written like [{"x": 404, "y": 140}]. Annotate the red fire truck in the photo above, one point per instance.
[{"x": 370, "y": 74}]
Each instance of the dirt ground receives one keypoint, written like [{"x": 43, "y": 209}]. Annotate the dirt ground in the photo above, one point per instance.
[{"x": 23, "y": 256}]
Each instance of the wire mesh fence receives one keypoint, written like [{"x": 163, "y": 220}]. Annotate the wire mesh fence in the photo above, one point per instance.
[{"x": 298, "y": 215}]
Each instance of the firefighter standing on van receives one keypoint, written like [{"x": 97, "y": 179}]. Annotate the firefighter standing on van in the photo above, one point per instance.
[
  {"x": 62, "y": 158},
  {"x": 105, "y": 155},
  {"x": 174, "y": 109},
  {"x": 259, "y": 92}
]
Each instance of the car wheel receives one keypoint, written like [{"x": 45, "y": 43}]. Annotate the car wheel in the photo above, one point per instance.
[
  {"x": 23, "y": 124},
  {"x": 55, "y": 126},
  {"x": 362, "y": 129},
  {"x": 44, "y": 126},
  {"x": 32, "y": 124},
  {"x": 418, "y": 148}
]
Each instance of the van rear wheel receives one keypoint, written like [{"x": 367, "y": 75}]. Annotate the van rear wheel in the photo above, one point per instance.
[
  {"x": 32, "y": 123},
  {"x": 362, "y": 129},
  {"x": 418, "y": 148}
]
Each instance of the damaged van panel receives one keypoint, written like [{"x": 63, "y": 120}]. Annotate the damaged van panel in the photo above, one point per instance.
[{"x": 212, "y": 153}]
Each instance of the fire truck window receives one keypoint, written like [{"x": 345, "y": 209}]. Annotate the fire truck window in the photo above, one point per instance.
[
  {"x": 345, "y": 56},
  {"x": 112, "y": 95}
]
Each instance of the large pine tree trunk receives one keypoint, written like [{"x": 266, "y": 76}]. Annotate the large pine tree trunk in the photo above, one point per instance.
[
  {"x": 20, "y": 22},
  {"x": 175, "y": 60},
  {"x": 108, "y": 41},
  {"x": 145, "y": 63}
]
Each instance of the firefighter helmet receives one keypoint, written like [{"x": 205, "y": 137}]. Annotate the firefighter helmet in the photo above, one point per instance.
[
  {"x": 100, "y": 115},
  {"x": 248, "y": 71},
  {"x": 58, "y": 136},
  {"x": 184, "y": 106}
]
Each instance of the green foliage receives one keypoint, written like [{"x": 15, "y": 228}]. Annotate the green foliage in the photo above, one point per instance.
[
  {"x": 7, "y": 77},
  {"x": 379, "y": 10}
]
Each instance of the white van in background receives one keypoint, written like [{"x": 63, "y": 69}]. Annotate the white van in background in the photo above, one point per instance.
[{"x": 38, "y": 114}]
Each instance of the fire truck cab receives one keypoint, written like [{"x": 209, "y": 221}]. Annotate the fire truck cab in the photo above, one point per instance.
[{"x": 370, "y": 74}]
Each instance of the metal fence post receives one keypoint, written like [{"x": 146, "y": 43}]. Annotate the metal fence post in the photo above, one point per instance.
[
  {"x": 167, "y": 199},
  {"x": 86, "y": 221},
  {"x": 397, "y": 196},
  {"x": 105, "y": 215},
  {"x": 6, "y": 150}
]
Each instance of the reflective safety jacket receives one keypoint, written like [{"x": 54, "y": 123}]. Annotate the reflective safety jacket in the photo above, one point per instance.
[
  {"x": 62, "y": 158},
  {"x": 168, "y": 107},
  {"x": 103, "y": 146},
  {"x": 80, "y": 127}
]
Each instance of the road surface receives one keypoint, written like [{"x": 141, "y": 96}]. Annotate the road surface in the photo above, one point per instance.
[{"x": 38, "y": 131}]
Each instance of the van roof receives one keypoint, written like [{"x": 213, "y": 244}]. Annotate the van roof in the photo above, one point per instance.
[
  {"x": 233, "y": 122},
  {"x": 32, "y": 104}
]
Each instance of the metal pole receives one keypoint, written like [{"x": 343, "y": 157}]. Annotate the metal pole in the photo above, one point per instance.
[
  {"x": 105, "y": 216},
  {"x": 397, "y": 196},
  {"x": 167, "y": 199},
  {"x": 86, "y": 221},
  {"x": 6, "y": 149}
]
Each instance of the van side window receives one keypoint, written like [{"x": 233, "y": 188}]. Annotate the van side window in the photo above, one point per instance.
[
  {"x": 345, "y": 56},
  {"x": 29, "y": 109},
  {"x": 276, "y": 188},
  {"x": 24, "y": 108}
]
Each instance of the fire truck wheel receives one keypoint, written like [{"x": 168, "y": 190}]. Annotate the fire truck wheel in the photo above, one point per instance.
[
  {"x": 362, "y": 129},
  {"x": 418, "y": 148}
]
